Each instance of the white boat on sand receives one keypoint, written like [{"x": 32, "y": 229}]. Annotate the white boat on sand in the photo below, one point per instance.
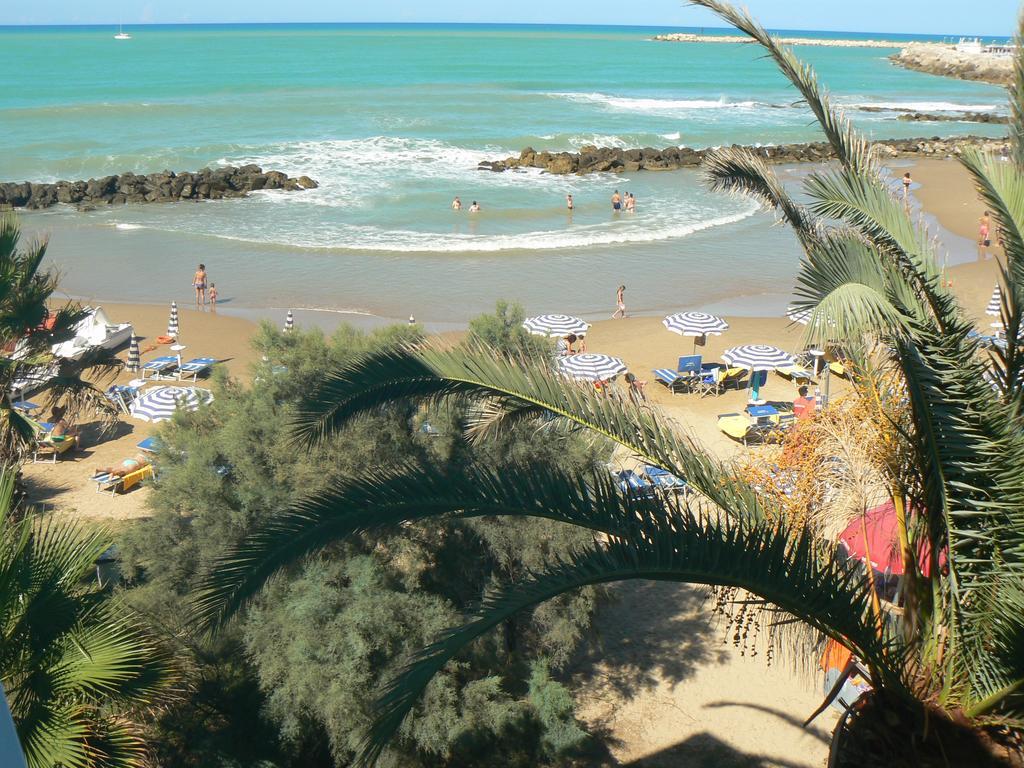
[{"x": 95, "y": 330}]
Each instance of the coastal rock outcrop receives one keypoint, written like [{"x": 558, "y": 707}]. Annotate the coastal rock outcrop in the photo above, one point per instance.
[
  {"x": 591, "y": 159},
  {"x": 162, "y": 187},
  {"x": 690, "y": 37},
  {"x": 948, "y": 60}
]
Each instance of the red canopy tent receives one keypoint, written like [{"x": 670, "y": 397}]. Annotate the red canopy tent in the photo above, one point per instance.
[{"x": 883, "y": 542}]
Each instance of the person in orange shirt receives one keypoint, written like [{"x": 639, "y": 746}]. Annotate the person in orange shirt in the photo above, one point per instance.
[{"x": 804, "y": 406}]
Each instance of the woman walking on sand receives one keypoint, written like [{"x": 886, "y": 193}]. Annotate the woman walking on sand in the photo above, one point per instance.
[
  {"x": 199, "y": 283},
  {"x": 620, "y": 303},
  {"x": 984, "y": 238}
]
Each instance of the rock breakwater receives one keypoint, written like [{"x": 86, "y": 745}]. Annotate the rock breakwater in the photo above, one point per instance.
[
  {"x": 591, "y": 159},
  {"x": 946, "y": 60},
  {"x": 164, "y": 187},
  {"x": 689, "y": 37}
]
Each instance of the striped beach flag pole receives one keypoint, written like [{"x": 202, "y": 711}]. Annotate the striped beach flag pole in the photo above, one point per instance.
[
  {"x": 172, "y": 323},
  {"x": 289, "y": 322},
  {"x": 133, "y": 354}
]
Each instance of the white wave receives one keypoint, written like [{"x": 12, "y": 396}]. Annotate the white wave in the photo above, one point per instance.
[
  {"x": 368, "y": 238},
  {"x": 651, "y": 105},
  {"x": 923, "y": 106},
  {"x": 676, "y": 136},
  {"x": 128, "y": 226},
  {"x": 600, "y": 140}
]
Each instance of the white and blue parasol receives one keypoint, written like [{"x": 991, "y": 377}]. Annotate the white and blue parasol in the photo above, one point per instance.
[
  {"x": 172, "y": 321},
  {"x": 133, "y": 353},
  {"x": 160, "y": 403},
  {"x": 556, "y": 326},
  {"x": 798, "y": 315},
  {"x": 995, "y": 304},
  {"x": 758, "y": 357},
  {"x": 591, "y": 366},
  {"x": 695, "y": 324}
]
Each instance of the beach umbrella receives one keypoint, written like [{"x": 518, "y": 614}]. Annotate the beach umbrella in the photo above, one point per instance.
[
  {"x": 995, "y": 304},
  {"x": 555, "y": 325},
  {"x": 755, "y": 358},
  {"x": 591, "y": 367},
  {"x": 797, "y": 315},
  {"x": 133, "y": 354},
  {"x": 172, "y": 322},
  {"x": 873, "y": 537},
  {"x": 289, "y": 322},
  {"x": 695, "y": 324},
  {"x": 160, "y": 403}
]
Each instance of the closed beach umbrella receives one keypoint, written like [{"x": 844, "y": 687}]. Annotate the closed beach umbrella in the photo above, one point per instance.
[
  {"x": 172, "y": 323},
  {"x": 555, "y": 325},
  {"x": 591, "y": 367},
  {"x": 133, "y": 354},
  {"x": 758, "y": 357},
  {"x": 289, "y": 322},
  {"x": 159, "y": 404},
  {"x": 995, "y": 304}
]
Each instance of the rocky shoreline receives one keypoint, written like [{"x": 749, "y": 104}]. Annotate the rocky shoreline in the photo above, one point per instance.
[
  {"x": 591, "y": 159},
  {"x": 946, "y": 60},
  {"x": 164, "y": 187}
]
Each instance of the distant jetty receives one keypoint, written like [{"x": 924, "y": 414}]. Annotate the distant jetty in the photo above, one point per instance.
[
  {"x": 593, "y": 159},
  {"x": 689, "y": 37},
  {"x": 959, "y": 61},
  {"x": 164, "y": 187}
]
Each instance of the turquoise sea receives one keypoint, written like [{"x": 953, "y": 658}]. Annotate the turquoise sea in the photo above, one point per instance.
[{"x": 392, "y": 121}]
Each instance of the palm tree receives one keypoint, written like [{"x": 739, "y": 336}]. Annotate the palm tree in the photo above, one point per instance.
[
  {"x": 947, "y": 671},
  {"x": 78, "y": 670},
  {"x": 28, "y": 331}
]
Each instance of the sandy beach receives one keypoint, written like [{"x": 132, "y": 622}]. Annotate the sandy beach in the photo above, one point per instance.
[{"x": 662, "y": 685}]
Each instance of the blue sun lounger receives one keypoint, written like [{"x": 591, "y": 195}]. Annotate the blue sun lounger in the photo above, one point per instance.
[
  {"x": 195, "y": 367},
  {"x": 159, "y": 366},
  {"x": 633, "y": 484},
  {"x": 664, "y": 480}
]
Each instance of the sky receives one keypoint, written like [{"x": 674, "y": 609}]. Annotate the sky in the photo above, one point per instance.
[{"x": 942, "y": 17}]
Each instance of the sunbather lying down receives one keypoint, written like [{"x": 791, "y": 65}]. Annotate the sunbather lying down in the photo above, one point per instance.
[{"x": 138, "y": 461}]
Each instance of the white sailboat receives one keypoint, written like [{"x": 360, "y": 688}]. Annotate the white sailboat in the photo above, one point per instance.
[{"x": 121, "y": 34}]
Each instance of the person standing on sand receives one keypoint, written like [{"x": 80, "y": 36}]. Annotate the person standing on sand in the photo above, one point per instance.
[
  {"x": 199, "y": 283},
  {"x": 907, "y": 181},
  {"x": 620, "y": 303},
  {"x": 456, "y": 204},
  {"x": 616, "y": 201},
  {"x": 984, "y": 238}
]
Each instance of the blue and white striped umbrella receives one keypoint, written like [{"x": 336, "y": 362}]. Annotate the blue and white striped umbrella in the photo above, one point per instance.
[
  {"x": 172, "y": 322},
  {"x": 995, "y": 304},
  {"x": 160, "y": 403},
  {"x": 758, "y": 357},
  {"x": 591, "y": 366},
  {"x": 695, "y": 324},
  {"x": 555, "y": 325},
  {"x": 797, "y": 315}
]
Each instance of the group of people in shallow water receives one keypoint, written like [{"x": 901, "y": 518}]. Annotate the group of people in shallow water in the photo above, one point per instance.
[
  {"x": 620, "y": 201},
  {"x": 199, "y": 282}
]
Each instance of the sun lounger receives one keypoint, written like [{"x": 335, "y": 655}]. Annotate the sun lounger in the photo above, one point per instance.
[
  {"x": 738, "y": 426},
  {"x": 195, "y": 368},
  {"x": 664, "y": 480},
  {"x": 49, "y": 445},
  {"x": 149, "y": 445},
  {"x": 159, "y": 367},
  {"x": 633, "y": 484},
  {"x": 795, "y": 373},
  {"x": 106, "y": 481},
  {"x": 122, "y": 395},
  {"x": 687, "y": 372}
]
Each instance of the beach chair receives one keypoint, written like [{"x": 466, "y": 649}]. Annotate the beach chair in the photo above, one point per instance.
[
  {"x": 664, "y": 480},
  {"x": 687, "y": 371},
  {"x": 194, "y": 368},
  {"x": 122, "y": 396},
  {"x": 796, "y": 373},
  {"x": 633, "y": 484},
  {"x": 732, "y": 377},
  {"x": 710, "y": 380},
  {"x": 149, "y": 445},
  {"x": 159, "y": 367},
  {"x": 105, "y": 481},
  {"x": 53, "y": 446},
  {"x": 738, "y": 426}
]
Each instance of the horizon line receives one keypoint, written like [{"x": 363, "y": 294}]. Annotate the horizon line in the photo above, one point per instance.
[{"x": 482, "y": 24}]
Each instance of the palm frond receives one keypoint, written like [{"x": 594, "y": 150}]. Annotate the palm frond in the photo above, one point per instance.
[
  {"x": 852, "y": 150},
  {"x": 784, "y": 568},
  {"x": 1016, "y": 89}
]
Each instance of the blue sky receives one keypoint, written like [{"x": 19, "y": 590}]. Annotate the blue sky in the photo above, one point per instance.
[{"x": 947, "y": 17}]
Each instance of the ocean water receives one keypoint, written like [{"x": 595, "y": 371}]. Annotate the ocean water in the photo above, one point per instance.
[{"x": 392, "y": 120}]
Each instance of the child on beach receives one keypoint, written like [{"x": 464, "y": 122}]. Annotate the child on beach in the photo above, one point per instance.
[
  {"x": 213, "y": 296},
  {"x": 620, "y": 303}
]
